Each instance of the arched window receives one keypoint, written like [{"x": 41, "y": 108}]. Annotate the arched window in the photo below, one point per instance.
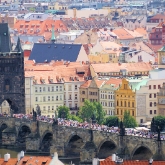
[
  {"x": 117, "y": 103},
  {"x": 7, "y": 85},
  {"x": 125, "y": 104},
  {"x": 128, "y": 104},
  {"x": 121, "y": 103}
]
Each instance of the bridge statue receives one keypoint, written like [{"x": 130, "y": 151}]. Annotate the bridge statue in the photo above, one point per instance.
[
  {"x": 11, "y": 112},
  {"x": 55, "y": 120},
  {"x": 38, "y": 110},
  {"x": 34, "y": 115}
]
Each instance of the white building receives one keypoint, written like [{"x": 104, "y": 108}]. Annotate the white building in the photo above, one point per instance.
[
  {"x": 141, "y": 56},
  {"x": 107, "y": 95},
  {"x": 35, "y": 16},
  {"x": 44, "y": 91},
  {"x": 146, "y": 96},
  {"x": 51, "y": 86},
  {"x": 70, "y": 36}
]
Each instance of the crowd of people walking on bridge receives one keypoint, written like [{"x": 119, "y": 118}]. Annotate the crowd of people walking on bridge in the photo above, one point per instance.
[{"x": 90, "y": 125}]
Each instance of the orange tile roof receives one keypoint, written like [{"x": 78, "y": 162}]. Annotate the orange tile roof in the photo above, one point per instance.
[
  {"x": 141, "y": 31},
  {"x": 108, "y": 161},
  {"x": 155, "y": 48},
  {"x": 122, "y": 34},
  {"x": 11, "y": 161},
  {"x": 33, "y": 160},
  {"x": 158, "y": 16},
  {"x": 37, "y": 27},
  {"x": 114, "y": 81},
  {"x": 86, "y": 84},
  {"x": 56, "y": 71},
  {"x": 99, "y": 83},
  {"x": 115, "y": 67}
]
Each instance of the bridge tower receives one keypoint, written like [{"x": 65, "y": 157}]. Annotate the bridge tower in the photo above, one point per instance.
[{"x": 12, "y": 88}]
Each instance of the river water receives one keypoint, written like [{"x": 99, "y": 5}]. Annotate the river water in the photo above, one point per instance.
[{"x": 13, "y": 154}]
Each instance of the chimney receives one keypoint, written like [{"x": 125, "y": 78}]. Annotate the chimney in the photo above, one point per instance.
[
  {"x": 95, "y": 161},
  {"x": 150, "y": 161},
  {"x": 6, "y": 157},
  {"x": 54, "y": 159},
  {"x": 113, "y": 157}
]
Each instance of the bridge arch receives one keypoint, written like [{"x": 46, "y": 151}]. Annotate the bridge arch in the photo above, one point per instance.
[
  {"x": 3, "y": 126},
  {"x": 46, "y": 141},
  {"x": 23, "y": 131},
  {"x": 73, "y": 145},
  {"x": 12, "y": 104},
  {"x": 141, "y": 152},
  {"x": 106, "y": 148}
]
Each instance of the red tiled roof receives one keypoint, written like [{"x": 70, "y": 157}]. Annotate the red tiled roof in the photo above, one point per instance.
[
  {"x": 56, "y": 70},
  {"x": 122, "y": 34},
  {"x": 108, "y": 161},
  {"x": 155, "y": 48},
  {"x": 33, "y": 160},
  {"x": 114, "y": 81},
  {"x": 11, "y": 161},
  {"x": 115, "y": 67},
  {"x": 38, "y": 27},
  {"x": 158, "y": 16}
]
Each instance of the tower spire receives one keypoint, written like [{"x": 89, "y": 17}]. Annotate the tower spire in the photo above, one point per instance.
[
  {"x": 53, "y": 38},
  {"x": 18, "y": 47}
]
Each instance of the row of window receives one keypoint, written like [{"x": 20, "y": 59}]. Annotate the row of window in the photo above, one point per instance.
[
  {"x": 120, "y": 73},
  {"x": 106, "y": 92},
  {"x": 125, "y": 96},
  {"x": 152, "y": 104},
  {"x": 154, "y": 87},
  {"x": 107, "y": 96},
  {"x": 49, "y": 108},
  {"x": 48, "y": 98},
  {"x": 152, "y": 112},
  {"x": 93, "y": 93},
  {"x": 110, "y": 104},
  {"x": 48, "y": 89},
  {"x": 125, "y": 104},
  {"x": 109, "y": 112},
  {"x": 70, "y": 87},
  {"x": 121, "y": 112},
  {"x": 70, "y": 97},
  {"x": 154, "y": 95}
]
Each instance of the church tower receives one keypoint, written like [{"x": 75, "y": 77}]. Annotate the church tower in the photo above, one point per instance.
[{"x": 12, "y": 86}]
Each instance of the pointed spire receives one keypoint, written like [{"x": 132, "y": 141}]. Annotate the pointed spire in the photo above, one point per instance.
[
  {"x": 53, "y": 38},
  {"x": 18, "y": 47}
]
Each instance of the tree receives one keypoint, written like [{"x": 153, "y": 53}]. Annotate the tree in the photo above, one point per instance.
[
  {"x": 100, "y": 114},
  {"x": 111, "y": 121},
  {"x": 75, "y": 118},
  {"x": 63, "y": 112},
  {"x": 159, "y": 121},
  {"x": 92, "y": 110},
  {"x": 129, "y": 121}
]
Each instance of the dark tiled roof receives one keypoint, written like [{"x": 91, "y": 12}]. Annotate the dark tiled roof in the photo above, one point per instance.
[
  {"x": 42, "y": 52},
  {"x": 5, "y": 43}
]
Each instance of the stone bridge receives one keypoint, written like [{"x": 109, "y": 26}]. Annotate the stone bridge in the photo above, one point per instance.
[{"x": 73, "y": 142}]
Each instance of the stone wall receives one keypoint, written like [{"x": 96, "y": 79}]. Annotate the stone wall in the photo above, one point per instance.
[{"x": 62, "y": 135}]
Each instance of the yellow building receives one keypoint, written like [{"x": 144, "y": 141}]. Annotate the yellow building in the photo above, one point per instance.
[
  {"x": 58, "y": 6},
  {"x": 104, "y": 57},
  {"x": 161, "y": 57},
  {"x": 125, "y": 100},
  {"x": 99, "y": 58}
]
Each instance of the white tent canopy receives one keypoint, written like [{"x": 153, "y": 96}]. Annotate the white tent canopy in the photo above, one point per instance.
[{"x": 142, "y": 128}]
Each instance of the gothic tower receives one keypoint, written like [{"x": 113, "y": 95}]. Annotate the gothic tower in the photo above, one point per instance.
[{"x": 12, "y": 86}]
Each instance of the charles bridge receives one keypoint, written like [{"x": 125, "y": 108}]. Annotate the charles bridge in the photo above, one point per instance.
[{"x": 46, "y": 137}]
